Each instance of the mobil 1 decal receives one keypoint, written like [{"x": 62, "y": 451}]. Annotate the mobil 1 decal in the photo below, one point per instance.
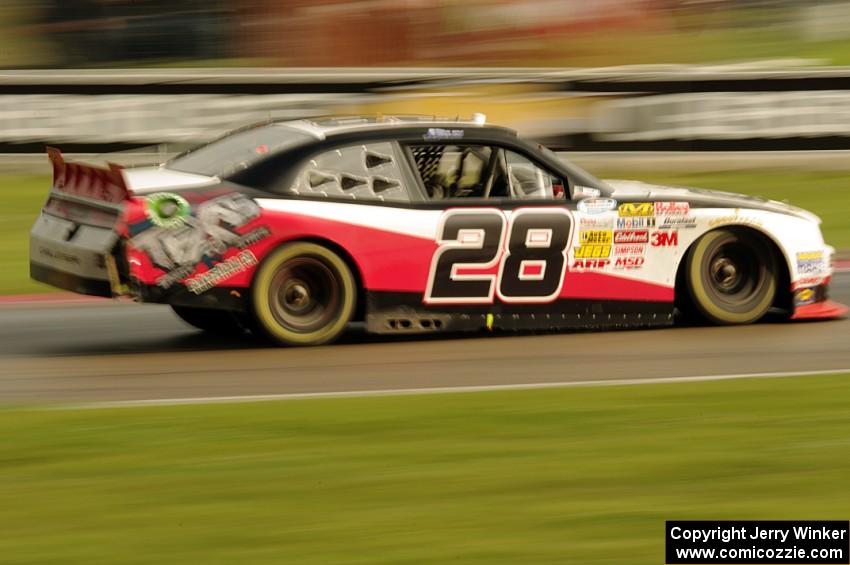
[{"x": 482, "y": 253}]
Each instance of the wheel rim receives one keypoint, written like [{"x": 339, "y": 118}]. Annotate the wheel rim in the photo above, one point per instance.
[
  {"x": 305, "y": 294},
  {"x": 734, "y": 272}
]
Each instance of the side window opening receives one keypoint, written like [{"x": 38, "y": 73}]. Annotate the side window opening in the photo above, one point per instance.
[
  {"x": 480, "y": 171},
  {"x": 358, "y": 172}
]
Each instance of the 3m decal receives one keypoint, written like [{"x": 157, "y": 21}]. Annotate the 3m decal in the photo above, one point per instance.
[
  {"x": 631, "y": 236},
  {"x": 631, "y": 209},
  {"x": 665, "y": 239},
  {"x": 531, "y": 265}
]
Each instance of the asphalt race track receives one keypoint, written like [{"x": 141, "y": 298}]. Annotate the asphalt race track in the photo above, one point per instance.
[{"x": 113, "y": 352}]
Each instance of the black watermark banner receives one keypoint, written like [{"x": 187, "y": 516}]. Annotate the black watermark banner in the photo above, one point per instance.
[{"x": 751, "y": 541}]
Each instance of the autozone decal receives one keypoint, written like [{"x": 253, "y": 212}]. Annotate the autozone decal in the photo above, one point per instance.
[
  {"x": 630, "y": 209},
  {"x": 631, "y": 236},
  {"x": 665, "y": 238}
]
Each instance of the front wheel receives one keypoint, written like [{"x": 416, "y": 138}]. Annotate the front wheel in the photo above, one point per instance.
[
  {"x": 731, "y": 276},
  {"x": 303, "y": 294}
]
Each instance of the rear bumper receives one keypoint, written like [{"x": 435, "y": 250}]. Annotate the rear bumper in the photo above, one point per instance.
[{"x": 72, "y": 256}]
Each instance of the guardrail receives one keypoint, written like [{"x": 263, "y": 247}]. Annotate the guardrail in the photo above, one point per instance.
[{"x": 756, "y": 106}]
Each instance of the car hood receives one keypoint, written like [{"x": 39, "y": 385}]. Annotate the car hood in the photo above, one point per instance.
[{"x": 699, "y": 197}]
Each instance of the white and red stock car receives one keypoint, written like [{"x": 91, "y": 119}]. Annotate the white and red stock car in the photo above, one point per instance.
[{"x": 297, "y": 228}]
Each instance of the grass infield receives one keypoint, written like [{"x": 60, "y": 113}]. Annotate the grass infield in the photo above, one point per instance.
[
  {"x": 824, "y": 193},
  {"x": 576, "y": 475}
]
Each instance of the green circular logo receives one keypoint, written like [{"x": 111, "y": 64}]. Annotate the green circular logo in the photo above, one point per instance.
[{"x": 166, "y": 209}]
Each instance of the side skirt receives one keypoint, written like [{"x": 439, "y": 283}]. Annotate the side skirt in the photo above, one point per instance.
[{"x": 391, "y": 312}]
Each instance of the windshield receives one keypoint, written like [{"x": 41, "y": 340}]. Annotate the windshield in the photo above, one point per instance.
[{"x": 237, "y": 151}]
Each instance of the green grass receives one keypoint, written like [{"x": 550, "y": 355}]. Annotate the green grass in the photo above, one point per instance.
[
  {"x": 559, "y": 476},
  {"x": 826, "y": 193}
]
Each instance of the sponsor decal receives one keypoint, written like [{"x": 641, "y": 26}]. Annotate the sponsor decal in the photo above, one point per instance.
[
  {"x": 242, "y": 261},
  {"x": 736, "y": 219},
  {"x": 631, "y": 236},
  {"x": 811, "y": 281},
  {"x": 596, "y": 205},
  {"x": 809, "y": 262},
  {"x": 676, "y": 222},
  {"x": 629, "y": 262},
  {"x": 587, "y": 191},
  {"x": 202, "y": 236},
  {"x": 671, "y": 208},
  {"x": 592, "y": 251},
  {"x": 598, "y": 222},
  {"x": 635, "y": 223},
  {"x": 58, "y": 255},
  {"x": 804, "y": 296},
  {"x": 632, "y": 209},
  {"x": 442, "y": 133},
  {"x": 596, "y": 236},
  {"x": 630, "y": 249},
  {"x": 166, "y": 209},
  {"x": 665, "y": 238},
  {"x": 591, "y": 263}
]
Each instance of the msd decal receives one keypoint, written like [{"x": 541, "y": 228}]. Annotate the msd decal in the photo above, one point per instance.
[
  {"x": 629, "y": 262},
  {"x": 665, "y": 239}
]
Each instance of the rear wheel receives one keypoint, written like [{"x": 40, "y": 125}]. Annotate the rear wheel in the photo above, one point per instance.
[
  {"x": 731, "y": 276},
  {"x": 222, "y": 322},
  {"x": 303, "y": 294}
]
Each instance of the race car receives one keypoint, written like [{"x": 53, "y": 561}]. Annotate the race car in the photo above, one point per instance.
[{"x": 296, "y": 228}]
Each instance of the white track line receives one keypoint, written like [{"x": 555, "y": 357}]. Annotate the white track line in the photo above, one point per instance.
[{"x": 445, "y": 390}]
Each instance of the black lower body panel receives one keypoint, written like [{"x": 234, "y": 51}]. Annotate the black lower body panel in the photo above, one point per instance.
[
  {"x": 395, "y": 312},
  {"x": 70, "y": 281}
]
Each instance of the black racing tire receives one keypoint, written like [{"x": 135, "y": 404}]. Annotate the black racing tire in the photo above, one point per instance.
[
  {"x": 303, "y": 294},
  {"x": 731, "y": 276},
  {"x": 223, "y": 322}
]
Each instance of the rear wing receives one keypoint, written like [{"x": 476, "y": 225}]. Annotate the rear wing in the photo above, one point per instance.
[{"x": 87, "y": 181}]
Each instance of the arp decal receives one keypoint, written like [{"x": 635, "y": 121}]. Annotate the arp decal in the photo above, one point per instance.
[
  {"x": 202, "y": 236},
  {"x": 530, "y": 252}
]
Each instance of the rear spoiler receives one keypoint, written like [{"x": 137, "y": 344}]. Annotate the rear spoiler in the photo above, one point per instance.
[{"x": 87, "y": 181}]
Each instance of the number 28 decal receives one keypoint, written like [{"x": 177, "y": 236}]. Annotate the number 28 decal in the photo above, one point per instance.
[{"x": 530, "y": 252}]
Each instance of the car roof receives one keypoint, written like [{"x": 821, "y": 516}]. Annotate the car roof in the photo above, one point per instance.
[{"x": 323, "y": 127}]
